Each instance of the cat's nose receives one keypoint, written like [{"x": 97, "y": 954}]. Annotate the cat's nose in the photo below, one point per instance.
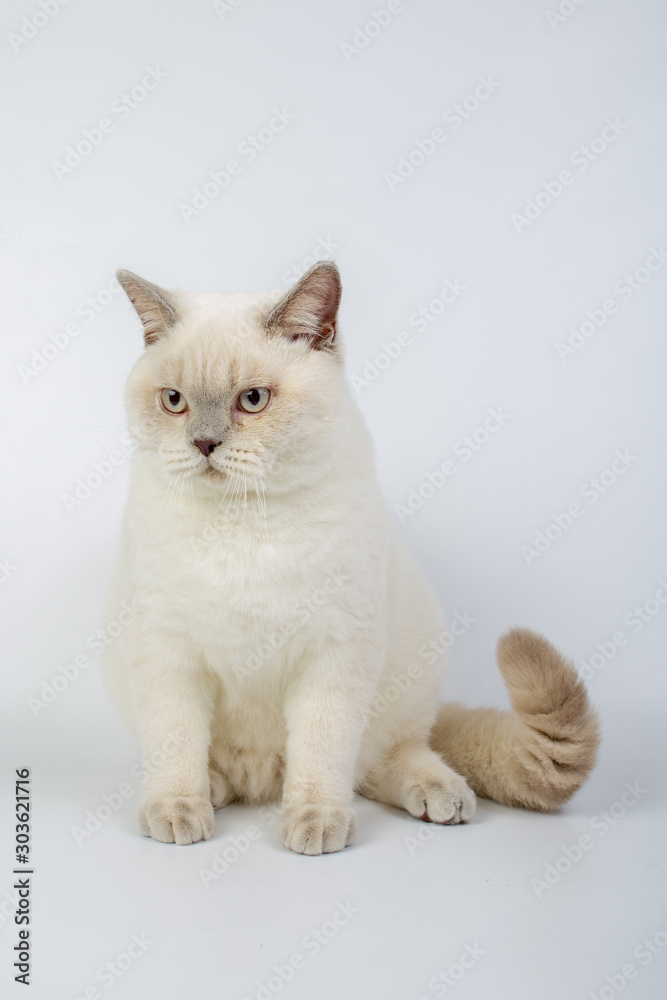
[{"x": 206, "y": 447}]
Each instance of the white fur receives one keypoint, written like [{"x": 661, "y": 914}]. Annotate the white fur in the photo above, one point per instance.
[{"x": 293, "y": 542}]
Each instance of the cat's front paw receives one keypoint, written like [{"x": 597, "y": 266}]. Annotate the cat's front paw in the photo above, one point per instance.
[
  {"x": 176, "y": 819},
  {"x": 317, "y": 829}
]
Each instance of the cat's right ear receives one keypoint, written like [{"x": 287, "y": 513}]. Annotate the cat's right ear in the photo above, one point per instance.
[{"x": 155, "y": 307}]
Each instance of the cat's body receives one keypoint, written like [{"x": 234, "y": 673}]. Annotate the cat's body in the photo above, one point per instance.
[{"x": 278, "y": 618}]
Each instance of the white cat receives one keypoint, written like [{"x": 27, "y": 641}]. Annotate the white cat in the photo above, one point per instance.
[{"x": 275, "y": 605}]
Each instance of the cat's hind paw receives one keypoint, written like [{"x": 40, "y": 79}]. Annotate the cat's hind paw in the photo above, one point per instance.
[
  {"x": 176, "y": 819},
  {"x": 445, "y": 799}
]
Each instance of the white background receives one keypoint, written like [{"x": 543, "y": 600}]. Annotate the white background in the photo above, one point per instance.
[{"x": 324, "y": 178}]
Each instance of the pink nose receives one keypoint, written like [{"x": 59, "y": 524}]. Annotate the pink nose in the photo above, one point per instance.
[{"x": 206, "y": 447}]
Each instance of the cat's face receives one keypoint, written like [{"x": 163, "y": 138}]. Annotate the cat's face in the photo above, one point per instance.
[{"x": 242, "y": 387}]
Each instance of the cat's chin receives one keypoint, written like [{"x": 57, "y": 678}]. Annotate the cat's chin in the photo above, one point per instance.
[{"x": 212, "y": 474}]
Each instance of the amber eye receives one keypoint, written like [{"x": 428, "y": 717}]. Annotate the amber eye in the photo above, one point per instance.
[
  {"x": 173, "y": 401},
  {"x": 254, "y": 400}
]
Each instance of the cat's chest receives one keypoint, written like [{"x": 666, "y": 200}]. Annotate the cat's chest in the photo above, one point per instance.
[{"x": 241, "y": 579}]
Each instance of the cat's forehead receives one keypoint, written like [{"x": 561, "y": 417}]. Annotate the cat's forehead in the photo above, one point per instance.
[
  {"x": 238, "y": 316},
  {"x": 220, "y": 340}
]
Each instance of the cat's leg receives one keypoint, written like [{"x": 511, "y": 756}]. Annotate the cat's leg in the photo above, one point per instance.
[
  {"x": 174, "y": 701},
  {"x": 325, "y": 711},
  {"x": 396, "y": 764},
  {"x": 413, "y": 777}
]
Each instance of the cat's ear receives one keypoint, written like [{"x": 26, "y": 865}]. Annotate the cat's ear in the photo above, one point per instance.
[
  {"x": 155, "y": 307},
  {"x": 309, "y": 310}
]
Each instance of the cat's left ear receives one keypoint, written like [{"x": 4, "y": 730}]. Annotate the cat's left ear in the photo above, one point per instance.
[
  {"x": 155, "y": 307},
  {"x": 308, "y": 311}
]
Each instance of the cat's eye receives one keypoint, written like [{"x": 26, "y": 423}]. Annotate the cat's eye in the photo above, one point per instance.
[
  {"x": 254, "y": 400},
  {"x": 173, "y": 401}
]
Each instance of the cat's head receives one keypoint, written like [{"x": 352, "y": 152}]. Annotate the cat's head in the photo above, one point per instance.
[{"x": 243, "y": 386}]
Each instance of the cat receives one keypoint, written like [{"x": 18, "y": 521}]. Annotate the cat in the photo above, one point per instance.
[{"x": 275, "y": 607}]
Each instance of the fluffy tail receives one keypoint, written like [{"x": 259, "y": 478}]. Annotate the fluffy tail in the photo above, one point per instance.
[{"x": 540, "y": 753}]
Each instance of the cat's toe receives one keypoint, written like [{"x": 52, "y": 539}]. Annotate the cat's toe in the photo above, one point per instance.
[
  {"x": 177, "y": 819},
  {"x": 447, "y": 801},
  {"x": 317, "y": 829}
]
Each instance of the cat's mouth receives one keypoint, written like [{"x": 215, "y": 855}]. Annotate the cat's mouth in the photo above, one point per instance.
[{"x": 211, "y": 472}]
